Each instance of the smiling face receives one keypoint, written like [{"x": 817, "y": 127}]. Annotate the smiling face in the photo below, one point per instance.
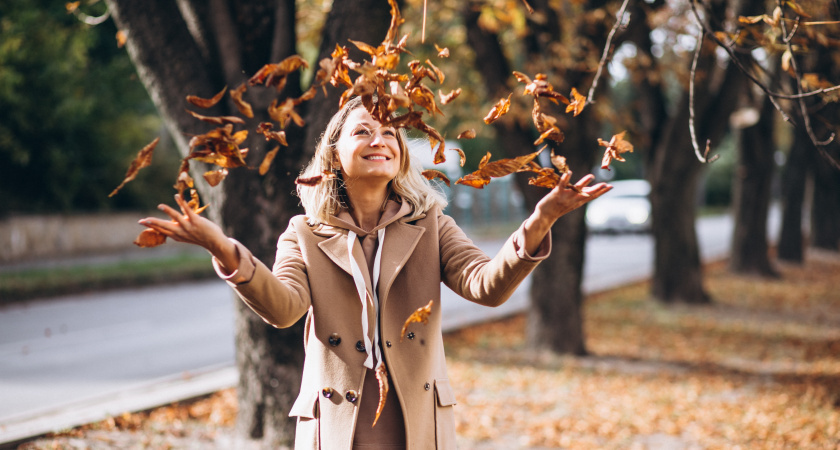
[{"x": 367, "y": 150}]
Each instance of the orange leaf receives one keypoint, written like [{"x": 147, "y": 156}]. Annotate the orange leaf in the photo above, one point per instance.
[
  {"x": 420, "y": 315},
  {"x": 432, "y": 173},
  {"x": 214, "y": 177},
  {"x": 121, "y": 38},
  {"x": 243, "y": 106},
  {"x": 442, "y": 52},
  {"x": 314, "y": 180},
  {"x": 220, "y": 120},
  {"x": 149, "y": 238},
  {"x": 577, "y": 104},
  {"x": 499, "y": 109},
  {"x": 615, "y": 147},
  {"x": 382, "y": 378},
  {"x": 266, "y": 162},
  {"x": 467, "y": 134},
  {"x": 142, "y": 160},
  {"x": 445, "y": 99},
  {"x": 206, "y": 102},
  {"x": 462, "y": 155}
]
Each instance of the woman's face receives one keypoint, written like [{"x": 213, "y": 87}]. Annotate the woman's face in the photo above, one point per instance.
[{"x": 368, "y": 150}]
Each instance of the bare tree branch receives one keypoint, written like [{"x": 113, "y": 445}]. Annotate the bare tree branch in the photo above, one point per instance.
[
  {"x": 704, "y": 157},
  {"x": 590, "y": 98}
]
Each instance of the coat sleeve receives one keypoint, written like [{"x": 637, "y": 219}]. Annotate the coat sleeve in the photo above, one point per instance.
[
  {"x": 470, "y": 273},
  {"x": 280, "y": 296}
]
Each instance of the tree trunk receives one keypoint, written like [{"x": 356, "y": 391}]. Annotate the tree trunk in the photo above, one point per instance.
[
  {"x": 555, "y": 318},
  {"x": 794, "y": 178},
  {"x": 825, "y": 208},
  {"x": 197, "y": 48},
  {"x": 751, "y": 187}
]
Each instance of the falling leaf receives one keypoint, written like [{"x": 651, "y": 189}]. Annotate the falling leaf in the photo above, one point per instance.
[
  {"x": 283, "y": 112},
  {"x": 266, "y": 162},
  {"x": 150, "y": 238},
  {"x": 577, "y": 103},
  {"x": 121, "y": 38},
  {"x": 546, "y": 177},
  {"x": 559, "y": 162},
  {"x": 214, "y": 177},
  {"x": 615, "y": 147},
  {"x": 218, "y": 120},
  {"x": 432, "y": 173},
  {"x": 546, "y": 125},
  {"x": 314, "y": 180},
  {"x": 462, "y": 155},
  {"x": 499, "y": 109},
  {"x": 420, "y": 315},
  {"x": 184, "y": 181},
  {"x": 540, "y": 87},
  {"x": 496, "y": 169},
  {"x": 466, "y": 134},
  {"x": 142, "y": 160},
  {"x": 442, "y": 52},
  {"x": 264, "y": 128},
  {"x": 277, "y": 74},
  {"x": 206, "y": 102},
  {"x": 243, "y": 106},
  {"x": 445, "y": 99},
  {"x": 71, "y": 7},
  {"x": 382, "y": 378}
]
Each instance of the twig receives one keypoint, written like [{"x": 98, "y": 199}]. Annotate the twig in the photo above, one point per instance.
[
  {"x": 704, "y": 157},
  {"x": 590, "y": 98},
  {"x": 806, "y": 116},
  {"x": 528, "y": 6},
  {"x": 423, "y": 34}
]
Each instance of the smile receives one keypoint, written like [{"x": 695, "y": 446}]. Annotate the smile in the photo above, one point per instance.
[{"x": 377, "y": 158}]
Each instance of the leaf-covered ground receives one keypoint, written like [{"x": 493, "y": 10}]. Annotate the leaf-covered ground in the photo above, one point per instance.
[{"x": 759, "y": 368}]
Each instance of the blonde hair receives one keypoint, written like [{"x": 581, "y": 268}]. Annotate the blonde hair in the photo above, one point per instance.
[{"x": 326, "y": 198}]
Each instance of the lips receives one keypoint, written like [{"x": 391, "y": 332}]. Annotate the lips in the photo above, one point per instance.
[{"x": 376, "y": 158}]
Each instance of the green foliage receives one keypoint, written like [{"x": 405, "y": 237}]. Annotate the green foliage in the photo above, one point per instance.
[{"x": 72, "y": 113}]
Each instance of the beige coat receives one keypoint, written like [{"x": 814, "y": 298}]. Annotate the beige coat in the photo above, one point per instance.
[{"x": 312, "y": 275}]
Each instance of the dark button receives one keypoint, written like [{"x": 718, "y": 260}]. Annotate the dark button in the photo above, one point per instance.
[
  {"x": 388, "y": 343},
  {"x": 351, "y": 396},
  {"x": 327, "y": 392},
  {"x": 410, "y": 335},
  {"x": 359, "y": 346},
  {"x": 334, "y": 339},
  {"x": 427, "y": 386}
]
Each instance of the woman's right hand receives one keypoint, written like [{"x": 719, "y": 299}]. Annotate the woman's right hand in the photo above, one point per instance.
[{"x": 191, "y": 228}]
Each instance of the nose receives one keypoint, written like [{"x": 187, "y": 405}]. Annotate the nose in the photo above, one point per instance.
[{"x": 377, "y": 139}]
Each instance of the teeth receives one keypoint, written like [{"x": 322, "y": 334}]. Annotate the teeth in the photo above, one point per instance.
[{"x": 376, "y": 158}]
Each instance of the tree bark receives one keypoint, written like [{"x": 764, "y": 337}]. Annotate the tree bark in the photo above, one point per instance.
[
  {"x": 751, "y": 187},
  {"x": 555, "y": 317},
  {"x": 794, "y": 178},
  {"x": 193, "y": 47},
  {"x": 825, "y": 208}
]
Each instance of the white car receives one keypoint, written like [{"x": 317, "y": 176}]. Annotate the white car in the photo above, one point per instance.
[{"x": 624, "y": 209}]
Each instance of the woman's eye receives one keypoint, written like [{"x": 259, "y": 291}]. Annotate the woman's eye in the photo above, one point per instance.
[
  {"x": 360, "y": 132},
  {"x": 389, "y": 133}
]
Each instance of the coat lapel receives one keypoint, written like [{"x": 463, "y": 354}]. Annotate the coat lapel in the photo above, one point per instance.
[
  {"x": 400, "y": 241},
  {"x": 336, "y": 249}
]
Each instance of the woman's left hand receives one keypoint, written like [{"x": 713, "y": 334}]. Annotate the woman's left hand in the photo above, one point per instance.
[{"x": 560, "y": 201}]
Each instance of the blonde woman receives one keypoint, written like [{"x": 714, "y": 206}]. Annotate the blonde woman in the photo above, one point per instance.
[{"x": 372, "y": 248}]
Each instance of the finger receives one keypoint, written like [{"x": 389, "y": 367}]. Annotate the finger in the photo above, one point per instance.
[
  {"x": 169, "y": 211},
  {"x": 585, "y": 180},
  {"x": 185, "y": 207},
  {"x": 163, "y": 226}
]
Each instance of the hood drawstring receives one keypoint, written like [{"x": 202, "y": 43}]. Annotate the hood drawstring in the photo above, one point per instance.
[{"x": 360, "y": 288}]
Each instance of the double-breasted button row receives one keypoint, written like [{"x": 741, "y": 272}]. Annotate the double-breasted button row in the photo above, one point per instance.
[{"x": 351, "y": 395}]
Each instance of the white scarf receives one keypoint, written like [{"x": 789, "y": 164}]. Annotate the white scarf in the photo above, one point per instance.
[{"x": 360, "y": 288}]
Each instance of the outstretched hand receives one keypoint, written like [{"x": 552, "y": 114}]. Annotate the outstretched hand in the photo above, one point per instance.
[
  {"x": 191, "y": 228},
  {"x": 560, "y": 201}
]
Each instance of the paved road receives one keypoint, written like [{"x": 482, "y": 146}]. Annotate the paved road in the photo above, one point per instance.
[{"x": 81, "y": 358}]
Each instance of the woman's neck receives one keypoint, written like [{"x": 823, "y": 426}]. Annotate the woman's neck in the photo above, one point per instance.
[{"x": 366, "y": 204}]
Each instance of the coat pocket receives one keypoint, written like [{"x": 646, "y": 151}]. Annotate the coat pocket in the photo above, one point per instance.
[
  {"x": 307, "y": 431},
  {"x": 444, "y": 414}
]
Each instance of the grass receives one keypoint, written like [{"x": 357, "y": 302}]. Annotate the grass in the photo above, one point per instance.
[
  {"x": 17, "y": 285},
  {"x": 758, "y": 368}
]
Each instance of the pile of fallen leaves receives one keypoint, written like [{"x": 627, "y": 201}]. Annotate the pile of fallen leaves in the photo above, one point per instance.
[{"x": 758, "y": 368}]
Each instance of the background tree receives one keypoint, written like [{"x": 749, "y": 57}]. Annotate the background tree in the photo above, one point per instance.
[{"x": 196, "y": 48}]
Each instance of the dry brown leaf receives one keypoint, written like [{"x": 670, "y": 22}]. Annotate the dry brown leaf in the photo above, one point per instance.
[
  {"x": 121, "y": 38},
  {"x": 219, "y": 120},
  {"x": 499, "y": 109},
  {"x": 149, "y": 238},
  {"x": 266, "y": 162},
  {"x": 142, "y": 160},
  {"x": 432, "y": 173},
  {"x": 577, "y": 103},
  {"x": 496, "y": 169},
  {"x": 214, "y": 177},
  {"x": 206, "y": 102},
  {"x": 243, "y": 106},
  {"x": 445, "y": 99},
  {"x": 382, "y": 378},
  {"x": 462, "y": 155},
  {"x": 184, "y": 181},
  {"x": 466, "y": 134},
  {"x": 442, "y": 52},
  {"x": 314, "y": 180},
  {"x": 615, "y": 147},
  {"x": 540, "y": 87},
  {"x": 420, "y": 315}
]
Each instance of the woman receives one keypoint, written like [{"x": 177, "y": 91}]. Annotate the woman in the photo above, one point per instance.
[{"x": 380, "y": 210}]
